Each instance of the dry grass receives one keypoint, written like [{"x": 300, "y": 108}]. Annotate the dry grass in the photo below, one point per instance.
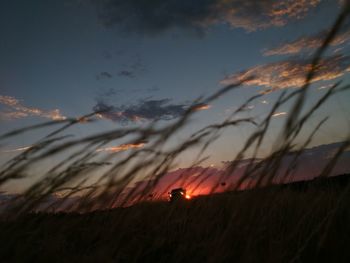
[{"x": 244, "y": 227}]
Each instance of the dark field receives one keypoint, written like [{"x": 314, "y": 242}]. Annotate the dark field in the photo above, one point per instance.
[{"x": 268, "y": 225}]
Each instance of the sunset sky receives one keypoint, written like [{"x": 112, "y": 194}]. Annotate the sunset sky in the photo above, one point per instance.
[{"x": 147, "y": 60}]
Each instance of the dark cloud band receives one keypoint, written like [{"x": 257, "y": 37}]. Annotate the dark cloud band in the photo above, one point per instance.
[
  {"x": 157, "y": 16},
  {"x": 144, "y": 110}
]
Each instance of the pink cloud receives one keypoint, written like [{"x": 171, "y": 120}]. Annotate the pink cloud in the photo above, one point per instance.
[
  {"x": 290, "y": 73},
  {"x": 15, "y": 110}
]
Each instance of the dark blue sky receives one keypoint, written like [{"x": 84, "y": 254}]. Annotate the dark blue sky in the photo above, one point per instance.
[{"x": 72, "y": 55}]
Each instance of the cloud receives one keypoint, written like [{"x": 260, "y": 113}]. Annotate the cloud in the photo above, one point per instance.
[
  {"x": 126, "y": 73},
  {"x": 325, "y": 86},
  {"x": 307, "y": 43},
  {"x": 133, "y": 69},
  {"x": 12, "y": 115},
  {"x": 202, "y": 106},
  {"x": 20, "y": 149},
  {"x": 155, "y": 17},
  {"x": 123, "y": 147},
  {"x": 15, "y": 110},
  {"x": 291, "y": 73},
  {"x": 104, "y": 75},
  {"x": 278, "y": 114},
  {"x": 147, "y": 110}
]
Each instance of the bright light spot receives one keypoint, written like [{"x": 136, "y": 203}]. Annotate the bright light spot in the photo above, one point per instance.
[{"x": 188, "y": 197}]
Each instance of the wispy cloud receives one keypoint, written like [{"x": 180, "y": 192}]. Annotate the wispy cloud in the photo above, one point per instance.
[
  {"x": 104, "y": 75},
  {"x": 15, "y": 110},
  {"x": 291, "y": 73},
  {"x": 307, "y": 43},
  {"x": 325, "y": 86},
  {"x": 278, "y": 114},
  {"x": 20, "y": 149},
  {"x": 133, "y": 69},
  {"x": 154, "y": 17},
  {"x": 144, "y": 110},
  {"x": 126, "y": 73},
  {"x": 123, "y": 147},
  {"x": 202, "y": 107}
]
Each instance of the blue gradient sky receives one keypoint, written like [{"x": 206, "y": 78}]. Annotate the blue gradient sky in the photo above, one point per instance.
[{"x": 53, "y": 53}]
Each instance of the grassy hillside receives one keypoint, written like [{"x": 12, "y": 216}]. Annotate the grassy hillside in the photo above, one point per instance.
[{"x": 266, "y": 225}]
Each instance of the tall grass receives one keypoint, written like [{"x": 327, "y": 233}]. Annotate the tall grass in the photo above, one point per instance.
[{"x": 117, "y": 173}]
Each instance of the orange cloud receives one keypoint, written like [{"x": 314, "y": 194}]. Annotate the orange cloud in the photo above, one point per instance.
[
  {"x": 307, "y": 43},
  {"x": 250, "y": 15},
  {"x": 202, "y": 107},
  {"x": 17, "y": 110},
  {"x": 123, "y": 147},
  {"x": 254, "y": 15},
  {"x": 12, "y": 115},
  {"x": 290, "y": 73}
]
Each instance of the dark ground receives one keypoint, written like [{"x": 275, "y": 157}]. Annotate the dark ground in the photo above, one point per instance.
[{"x": 289, "y": 224}]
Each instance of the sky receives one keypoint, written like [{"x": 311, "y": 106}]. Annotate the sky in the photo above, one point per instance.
[{"x": 146, "y": 60}]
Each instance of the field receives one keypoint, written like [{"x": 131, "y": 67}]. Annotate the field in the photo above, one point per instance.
[{"x": 265, "y": 225}]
